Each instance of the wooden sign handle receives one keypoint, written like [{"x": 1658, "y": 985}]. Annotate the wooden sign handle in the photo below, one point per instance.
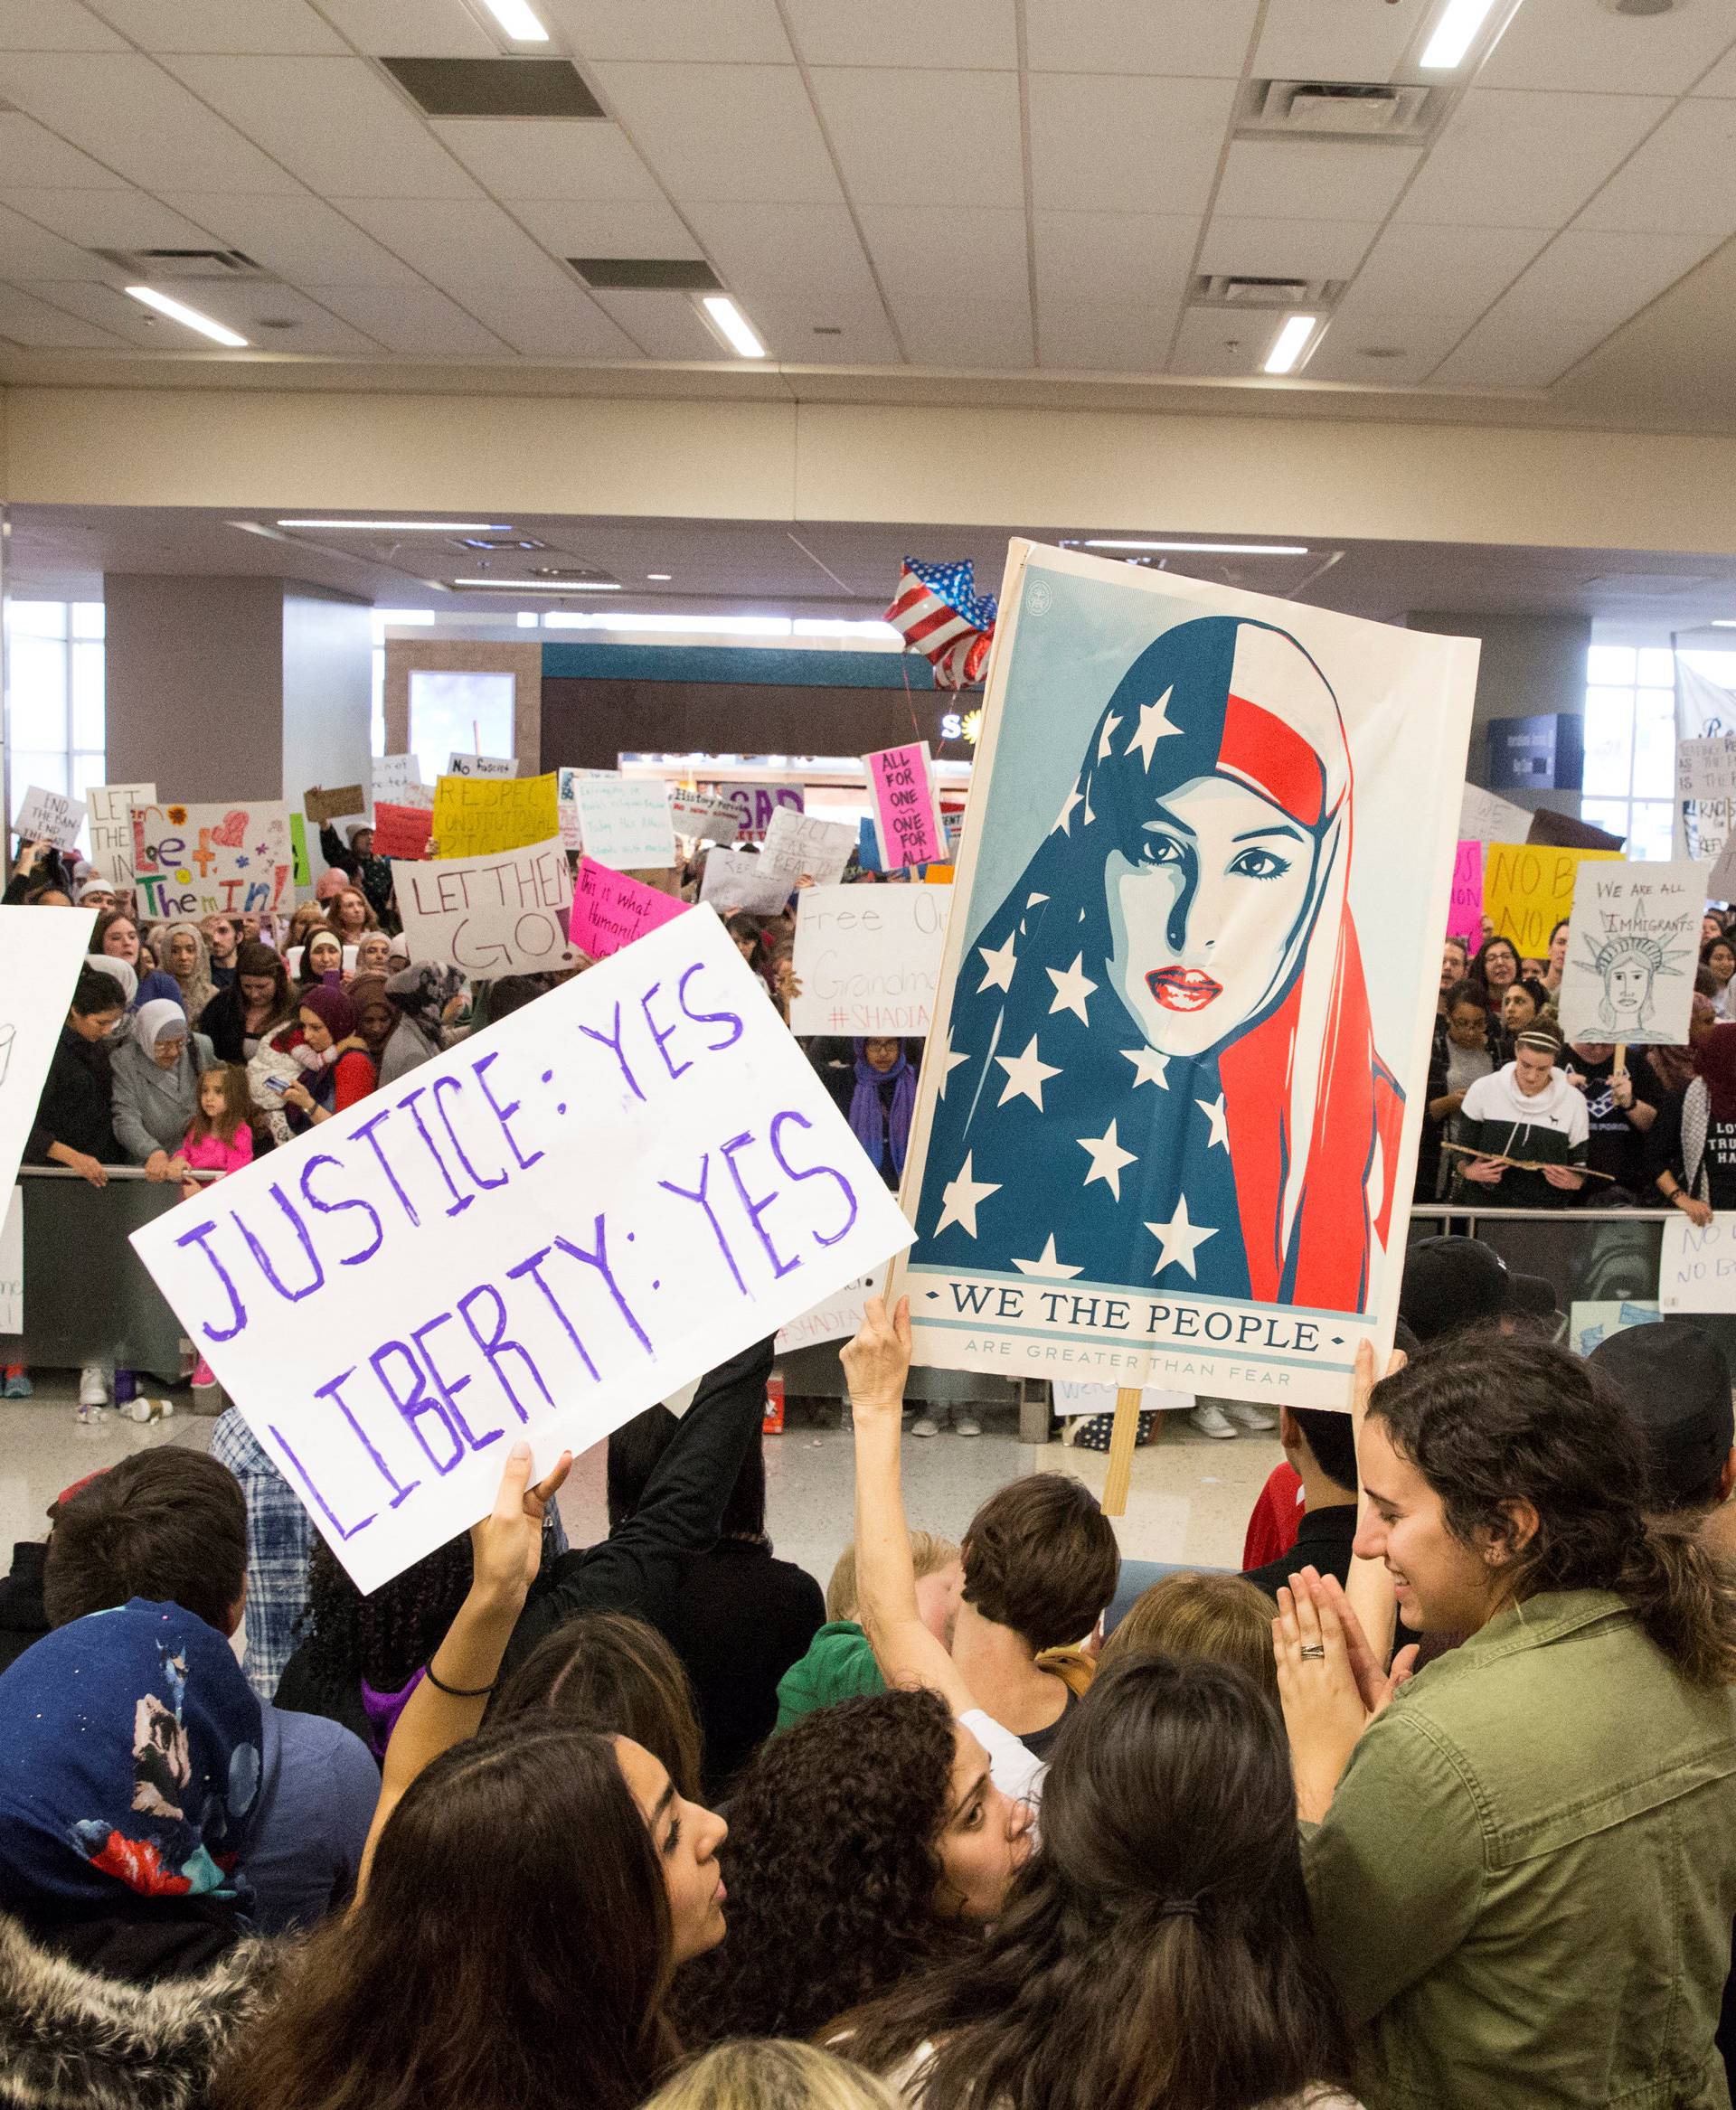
[
  {"x": 1124, "y": 1435},
  {"x": 1619, "y": 1067}
]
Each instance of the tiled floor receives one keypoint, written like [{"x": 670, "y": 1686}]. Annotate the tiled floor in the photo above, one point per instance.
[{"x": 1190, "y": 1497}]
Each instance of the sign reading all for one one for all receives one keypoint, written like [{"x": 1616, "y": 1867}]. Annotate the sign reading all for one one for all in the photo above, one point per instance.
[{"x": 904, "y": 802}]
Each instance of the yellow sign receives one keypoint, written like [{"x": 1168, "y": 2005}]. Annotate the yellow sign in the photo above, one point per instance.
[
  {"x": 477, "y": 816},
  {"x": 1528, "y": 890}
]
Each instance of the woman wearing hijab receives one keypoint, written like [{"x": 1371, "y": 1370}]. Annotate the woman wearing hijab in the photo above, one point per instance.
[
  {"x": 157, "y": 1086},
  {"x": 346, "y": 1071},
  {"x": 1161, "y": 1059},
  {"x": 374, "y": 1015},
  {"x": 185, "y": 955},
  {"x": 1694, "y": 1139},
  {"x": 877, "y": 1097},
  {"x": 420, "y": 995},
  {"x": 321, "y": 964}
]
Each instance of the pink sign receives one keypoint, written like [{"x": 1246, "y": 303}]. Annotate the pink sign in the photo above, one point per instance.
[
  {"x": 898, "y": 783},
  {"x": 609, "y": 910},
  {"x": 1465, "y": 919}
]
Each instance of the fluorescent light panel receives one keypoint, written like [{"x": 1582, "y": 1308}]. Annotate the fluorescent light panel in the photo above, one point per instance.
[
  {"x": 1454, "y": 34},
  {"x": 1289, "y": 345},
  {"x": 727, "y": 626},
  {"x": 189, "y": 319},
  {"x": 411, "y": 527},
  {"x": 542, "y": 585},
  {"x": 517, "y": 18},
  {"x": 1213, "y": 548},
  {"x": 732, "y": 325}
]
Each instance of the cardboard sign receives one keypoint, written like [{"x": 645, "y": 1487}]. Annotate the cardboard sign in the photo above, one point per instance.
[
  {"x": 610, "y": 910},
  {"x": 489, "y": 916},
  {"x": 1633, "y": 950},
  {"x": 12, "y": 1266},
  {"x": 197, "y": 861},
  {"x": 738, "y": 879},
  {"x": 539, "y": 1233},
  {"x": 474, "y": 816},
  {"x": 1485, "y": 818},
  {"x": 1696, "y": 1269},
  {"x": 868, "y": 959},
  {"x": 702, "y": 818},
  {"x": 41, "y": 953},
  {"x": 391, "y": 775},
  {"x": 757, "y": 803},
  {"x": 624, "y": 821},
  {"x": 322, "y": 807},
  {"x": 1464, "y": 915},
  {"x": 902, "y": 799},
  {"x": 111, "y": 815},
  {"x": 402, "y": 831},
  {"x": 1528, "y": 890},
  {"x": 459, "y": 765},
  {"x": 805, "y": 848},
  {"x": 48, "y": 816}
]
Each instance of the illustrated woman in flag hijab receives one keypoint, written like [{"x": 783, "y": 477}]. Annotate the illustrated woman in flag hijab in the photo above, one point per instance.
[{"x": 1160, "y": 1071}]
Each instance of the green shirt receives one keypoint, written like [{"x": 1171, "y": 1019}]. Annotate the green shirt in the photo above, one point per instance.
[
  {"x": 1526, "y": 1883},
  {"x": 839, "y": 1665}
]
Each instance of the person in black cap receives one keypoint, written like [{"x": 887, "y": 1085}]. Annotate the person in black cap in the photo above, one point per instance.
[
  {"x": 1452, "y": 1283},
  {"x": 1675, "y": 1380}
]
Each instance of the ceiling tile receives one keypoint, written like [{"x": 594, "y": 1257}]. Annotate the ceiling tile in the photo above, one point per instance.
[
  {"x": 902, "y": 135},
  {"x": 746, "y": 31},
  {"x": 1213, "y": 342},
  {"x": 29, "y": 252},
  {"x": 1515, "y": 352},
  {"x": 1094, "y": 339},
  {"x": 30, "y": 153},
  {"x": 241, "y": 304},
  {"x": 645, "y": 228},
  {"x": 110, "y": 309},
  {"x": 454, "y": 241},
  {"x": 1140, "y": 36},
  {"x": 1722, "y": 80},
  {"x": 1421, "y": 342},
  {"x": 334, "y": 122},
  {"x": 983, "y": 259},
  {"x": 110, "y": 220},
  {"x": 919, "y": 34},
  {"x": 128, "y": 112},
  {"x": 1681, "y": 181},
  {"x": 1312, "y": 179},
  {"x": 414, "y": 320},
  {"x": 220, "y": 25},
  {"x": 298, "y": 237},
  {"x": 788, "y": 326},
  {"x": 54, "y": 25},
  {"x": 1336, "y": 40},
  {"x": 1141, "y": 259},
  {"x": 1590, "y": 47},
  {"x": 1286, "y": 248},
  {"x": 1514, "y": 158},
  {"x": 555, "y": 158},
  {"x": 802, "y": 260},
  {"x": 994, "y": 335},
  {"x": 735, "y": 134},
  {"x": 666, "y": 326},
  {"x": 29, "y": 321},
  {"x": 1442, "y": 270},
  {"x": 1142, "y": 145},
  {"x": 411, "y": 29},
  {"x": 556, "y": 320}
]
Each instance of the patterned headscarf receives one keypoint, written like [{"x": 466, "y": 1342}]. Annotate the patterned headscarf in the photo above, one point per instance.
[{"x": 422, "y": 995}]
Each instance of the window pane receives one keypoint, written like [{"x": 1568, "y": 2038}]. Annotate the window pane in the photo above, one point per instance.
[
  {"x": 1608, "y": 741},
  {"x": 1654, "y": 744},
  {"x": 36, "y": 674},
  {"x": 468, "y": 713},
  {"x": 88, "y": 618},
  {"x": 45, "y": 768},
  {"x": 88, "y": 727},
  {"x": 1657, "y": 669},
  {"x": 1651, "y": 836},
  {"x": 1611, "y": 814},
  {"x": 1611, "y": 664},
  {"x": 36, "y": 618},
  {"x": 88, "y": 769}
]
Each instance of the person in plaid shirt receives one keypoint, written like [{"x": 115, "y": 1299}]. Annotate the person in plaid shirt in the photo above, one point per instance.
[{"x": 279, "y": 1541}]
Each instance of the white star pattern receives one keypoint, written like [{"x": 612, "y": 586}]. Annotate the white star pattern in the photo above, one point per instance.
[
  {"x": 1149, "y": 1067},
  {"x": 1046, "y": 1263},
  {"x": 1109, "y": 724},
  {"x": 1107, "y": 1157},
  {"x": 1072, "y": 987},
  {"x": 1180, "y": 1241},
  {"x": 1031, "y": 900},
  {"x": 1214, "y": 1111},
  {"x": 1063, "y": 824},
  {"x": 997, "y": 966},
  {"x": 1025, "y": 1076},
  {"x": 948, "y": 1063},
  {"x": 1153, "y": 726},
  {"x": 960, "y": 1200}
]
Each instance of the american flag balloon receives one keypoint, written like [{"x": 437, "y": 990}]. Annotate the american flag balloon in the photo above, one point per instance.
[{"x": 940, "y": 615}]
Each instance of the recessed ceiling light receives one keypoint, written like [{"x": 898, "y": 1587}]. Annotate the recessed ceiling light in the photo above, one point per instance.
[
  {"x": 1289, "y": 345},
  {"x": 189, "y": 319},
  {"x": 544, "y": 586},
  {"x": 517, "y": 18},
  {"x": 729, "y": 324},
  {"x": 1454, "y": 34},
  {"x": 408, "y": 527},
  {"x": 1723, "y": 622},
  {"x": 1213, "y": 548},
  {"x": 663, "y": 577}
]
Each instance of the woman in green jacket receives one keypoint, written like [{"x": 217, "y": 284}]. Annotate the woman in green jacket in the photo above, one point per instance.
[{"x": 1522, "y": 1862}]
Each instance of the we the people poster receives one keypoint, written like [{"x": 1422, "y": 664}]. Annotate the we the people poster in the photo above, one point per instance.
[{"x": 1168, "y": 1116}]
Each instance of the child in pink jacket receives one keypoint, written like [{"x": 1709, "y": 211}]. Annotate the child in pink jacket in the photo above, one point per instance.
[{"x": 221, "y": 1141}]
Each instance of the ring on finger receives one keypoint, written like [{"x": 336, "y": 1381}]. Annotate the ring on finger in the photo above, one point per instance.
[{"x": 1313, "y": 1649}]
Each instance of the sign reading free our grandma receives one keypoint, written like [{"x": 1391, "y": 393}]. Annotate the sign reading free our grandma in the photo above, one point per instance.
[{"x": 541, "y": 1232}]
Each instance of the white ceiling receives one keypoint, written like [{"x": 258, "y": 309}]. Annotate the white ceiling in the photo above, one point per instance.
[{"x": 995, "y": 186}]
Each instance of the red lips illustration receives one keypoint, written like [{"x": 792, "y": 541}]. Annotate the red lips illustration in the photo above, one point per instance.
[{"x": 1183, "y": 988}]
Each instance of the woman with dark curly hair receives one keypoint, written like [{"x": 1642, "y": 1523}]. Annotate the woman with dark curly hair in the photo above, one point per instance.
[{"x": 872, "y": 1827}]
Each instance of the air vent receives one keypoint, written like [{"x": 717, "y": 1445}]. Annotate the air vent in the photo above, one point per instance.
[
  {"x": 495, "y": 88},
  {"x": 1225, "y": 289},
  {"x": 647, "y": 274},
  {"x": 147, "y": 264},
  {"x": 497, "y": 542},
  {"x": 1342, "y": 109}
]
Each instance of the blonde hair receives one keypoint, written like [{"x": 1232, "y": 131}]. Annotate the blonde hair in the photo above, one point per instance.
[
  {"x": 929, "y": 1553},
  {"x": 1222, "y": 1618},
  {"x": 766, "y": 2073}
]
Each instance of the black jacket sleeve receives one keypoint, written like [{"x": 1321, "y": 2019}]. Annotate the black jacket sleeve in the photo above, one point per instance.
[
  {"x": 1664, "y": 1142},
  {"x": 639, "y": 1568},
  {"x": 337, "y": 853}
]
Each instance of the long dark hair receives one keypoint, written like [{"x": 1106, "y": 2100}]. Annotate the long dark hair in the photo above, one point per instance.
[
  {"x": 513, "y": 1949},
  {"x": 833, "y": 1832},
  {"x": 1531, "y": 1425},
  {"x": 387, "y": 1636},
  {"x": 1156, "y": 1948}
]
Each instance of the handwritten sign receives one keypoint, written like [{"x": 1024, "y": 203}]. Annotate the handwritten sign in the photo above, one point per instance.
[
  {"x": 1705, "y": 769},
  {"x": 1464, "y": 910},
  {"x": 460, "y": 765},
  {"x": 1633, "y": 948},
  {"x": 1485, "y": 818},
  {"x": 738, "y": 879},
  {"x": 41, "y": 953},
  {"x": 624, "y": 821},
  {"x": 1696, "y": 1269},
  {"x": 391, "y": 775},
  {"x": 488, "y": 915},
  {"x": 540, "y": 1233},
  {"x": 757, "y": 803},
  {"x": 902, "y": 800},
  {"x": 610, "y": 910},
  {"x": 802, "y": 847},
  {"x": 1528, "y": 890},
  {"x": 111, "y": 815},
  {"x": 837, "y": 1317},
  {"x": 209, "y": 860},
  {"x": 48, "y": 816},
  {"x": 402, "y": 831},
  {"x": 322, "y": 807},
  {"x": 868, "y": 959},
  {"x": 474, "y": 816},
  {"x": 702, "y": 818}
]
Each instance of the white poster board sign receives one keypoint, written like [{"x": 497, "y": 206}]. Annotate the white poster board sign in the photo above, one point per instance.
[
  {"x": 502, "y": 914},
  {"x": 1633, "y": 948},
  {"x": 41, "y": 953},
  {"x": 1696, "y": 1269},
  {"x": 624, "y": 821},
  {"x": 704, "y": 817},
  {"x": 1485, "y": 818},
  {"x": 1074, "y": 1398},
  {"x": 462, "y": 765},
  {"x": 48, "y": 816},
  {"x": 803, "y": 847},
  {"x": 110, "y": 817},
  {"x": 391, "y": 778},
  {"x": 12, "y": 1266},
  {"x": 868, "y": 959},
  {"x": 741, "y": 879},
  {"x": 837, "y": 1317},
  {"x": 540, "y": 1232}
]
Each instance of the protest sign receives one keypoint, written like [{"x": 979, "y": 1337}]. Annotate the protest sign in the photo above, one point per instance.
[
  {"x": 1696, "y": 1269},
  {"x": 301, "y": 869},
  {"x": 1166, "y": 1130},
  {"x": 200, "y": 860},
  {"x": 1485, "y": 818},
  {"x": 1072, "y": 1399},
  {"x": 802, "y": 847},
  {"x": 462, "y": 765},
  {"x": 506, "y": 914},
  {"x": 540, "y": 1233},
  {"x": 402, "y": 831},
  {"x": 322, "y": 807},
  {"x": 624, "y": 821},
  {"x": 48, "y": 816},
  {"x": 901, "y": 798},
  {"x": 1592, "y": 1323},
  {"x": 1528, "y": 890},
  {"x": 703, "y": 818},
  {"x": 609, "y": 910},
  {"x": 868, "y": 959},
  {"x": 1633, "y": 950},
  {"x": 837, "y": 1317},
  {"x": 738, "y": 879},
  {"x": 12, "y": 1266},
  {"x": 567, "y": 808},
  {"x": 1465, "y": 911},
  {"x": 757, "y": 803},
  {"x": 954, "y": 825},
  {"x": 474, "y": 816},
  {"x": 41, "y": 953},
  {"x": 1705, "y": 769},
  {"x": 390, "y": 777},
  {"x": 1721, "y": 883},
  {"x": 111, "y": 815}
]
